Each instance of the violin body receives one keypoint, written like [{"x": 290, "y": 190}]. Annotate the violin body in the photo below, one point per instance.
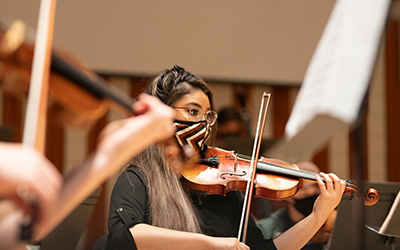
[{"x": 232, "y": 173}]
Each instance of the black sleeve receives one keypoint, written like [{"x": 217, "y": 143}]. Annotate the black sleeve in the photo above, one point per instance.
[
  {"x": 220, "y": 216},
  {"x": 128, "y": 207},
  {"x": 254, "y": 238}
]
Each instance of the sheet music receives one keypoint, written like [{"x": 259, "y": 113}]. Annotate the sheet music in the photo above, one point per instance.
[{"x": 340, "y": 70}]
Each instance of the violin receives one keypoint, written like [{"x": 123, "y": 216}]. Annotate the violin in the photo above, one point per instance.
[{"x": 221, "y": 171}]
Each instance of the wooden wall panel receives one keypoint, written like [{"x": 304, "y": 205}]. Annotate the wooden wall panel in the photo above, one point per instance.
[
  {"x": 139, "y": 84},
  {"x": 321, "y": 159},
  {"x": 281, "y": 110},
  {"x": 393, "y": 100}
]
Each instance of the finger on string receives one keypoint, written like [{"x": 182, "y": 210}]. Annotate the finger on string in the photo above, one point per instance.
[
  {"x": 321, "y": 184},
  {"x": 337, "y": 183},
  {"x": 328, "y": 182}
]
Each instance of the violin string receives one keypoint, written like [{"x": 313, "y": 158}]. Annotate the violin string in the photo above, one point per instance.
[{"x": 277, "y": 169}]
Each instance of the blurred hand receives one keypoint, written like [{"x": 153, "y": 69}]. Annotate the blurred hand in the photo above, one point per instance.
[
  {"x": 161, "y": 116},
  {"x": 154, "y": 119},
  {"x": 24, "y": 174}
]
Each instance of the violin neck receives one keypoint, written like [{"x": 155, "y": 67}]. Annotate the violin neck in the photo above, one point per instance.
[
  {"x": 287, "y": 172},
  {"x": 95, "y": 86}
]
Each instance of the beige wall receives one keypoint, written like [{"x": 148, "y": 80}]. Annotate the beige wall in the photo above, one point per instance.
[{"x": 260, "y": 40}]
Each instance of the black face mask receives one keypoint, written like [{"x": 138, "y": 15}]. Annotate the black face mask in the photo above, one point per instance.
[{"x": 305, "y": 206}]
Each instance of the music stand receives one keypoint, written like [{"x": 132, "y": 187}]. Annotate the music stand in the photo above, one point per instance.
[
  {"x": 344, "y": 231},
  {"x": 390, "y": 228}
]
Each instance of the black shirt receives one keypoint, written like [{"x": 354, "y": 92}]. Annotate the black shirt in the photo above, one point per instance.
[{"x": 219, "y": 215}]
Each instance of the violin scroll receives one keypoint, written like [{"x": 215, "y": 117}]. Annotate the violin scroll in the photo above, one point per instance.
[{"x": 370, "y": 198}]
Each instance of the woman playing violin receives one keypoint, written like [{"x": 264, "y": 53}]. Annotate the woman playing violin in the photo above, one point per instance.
[{"x": 151, "y": 209}]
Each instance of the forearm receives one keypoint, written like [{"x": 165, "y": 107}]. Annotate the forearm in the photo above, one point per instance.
[
  {"x": 330, "y": 196},
  {"x": 125, "y": 138},
  {"x": 154, "y": 238},
  {"x": 112, "y": 153},
  {"x": 298, "y": 235}
]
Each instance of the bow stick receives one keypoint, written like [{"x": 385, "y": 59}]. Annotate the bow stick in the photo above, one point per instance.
[
  {"x": 35, "y": 121},
  {"x": 256, "y": 152}
]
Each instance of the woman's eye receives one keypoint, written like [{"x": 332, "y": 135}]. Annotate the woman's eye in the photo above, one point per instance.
[{"x": 193, "y": 111}]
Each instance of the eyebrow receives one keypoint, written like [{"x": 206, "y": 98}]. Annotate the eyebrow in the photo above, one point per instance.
[{"x": 197, "y": 105}]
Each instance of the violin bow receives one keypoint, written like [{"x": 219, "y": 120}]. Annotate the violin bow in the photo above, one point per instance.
[
  {"x": 255, "y": 155},
  {"x": 36, "y": 115}
]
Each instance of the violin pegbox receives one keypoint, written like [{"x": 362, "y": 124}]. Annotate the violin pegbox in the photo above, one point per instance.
[{"x": 370, "y": 198}]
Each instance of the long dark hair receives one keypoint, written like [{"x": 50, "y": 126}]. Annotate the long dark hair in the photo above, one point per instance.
[{"x": 169, "y": 205}]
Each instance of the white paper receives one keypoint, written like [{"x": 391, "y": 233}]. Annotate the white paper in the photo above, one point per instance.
[
  {"x": 340, "y": 71},
  {"x": 337, "y": 78}
]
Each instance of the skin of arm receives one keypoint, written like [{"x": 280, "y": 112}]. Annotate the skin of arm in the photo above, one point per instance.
[
  {"x": 152, "y": 238},
  {"x": 298, "y": 235}
]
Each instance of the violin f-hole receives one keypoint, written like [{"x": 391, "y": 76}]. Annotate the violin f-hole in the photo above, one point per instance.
[{"x": 222, "y": 176}]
